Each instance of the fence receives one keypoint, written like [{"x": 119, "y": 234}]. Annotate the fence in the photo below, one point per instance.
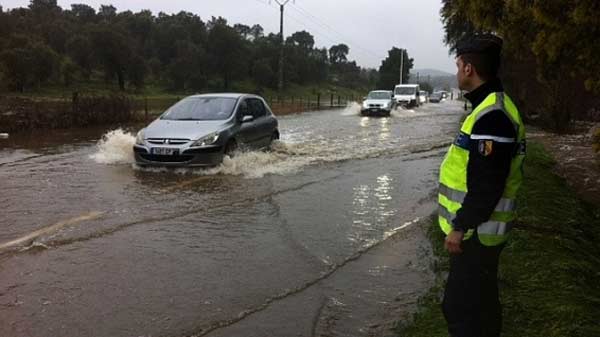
[
  {"x": 282, "y": 105},
  {"x": 24, "y": 114}
]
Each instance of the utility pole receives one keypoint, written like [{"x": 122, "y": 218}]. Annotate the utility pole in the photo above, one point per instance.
[
  {"x": 401, "y": 64},
  {"x": 281, "y": 6}
]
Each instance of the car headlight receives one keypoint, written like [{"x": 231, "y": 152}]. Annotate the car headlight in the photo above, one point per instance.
[
  {"x": 365, "y": 105},
  {"x": 207, "y": 140},
  {"x": 139, "y": 139}
]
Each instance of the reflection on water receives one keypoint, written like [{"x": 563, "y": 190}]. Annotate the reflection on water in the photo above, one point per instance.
[
  {"x": 372, "y": 206},
  {"x": 365, "y": 122},
  {"x": 384, "y": 131}
]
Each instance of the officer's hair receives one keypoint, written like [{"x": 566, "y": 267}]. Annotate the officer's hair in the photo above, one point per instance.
[{"x": 487, "y": 66}]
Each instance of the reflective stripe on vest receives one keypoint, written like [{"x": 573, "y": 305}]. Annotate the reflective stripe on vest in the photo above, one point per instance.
[
  {"x": 453, "y": 173},
  {"x": 503, "y": 205}
]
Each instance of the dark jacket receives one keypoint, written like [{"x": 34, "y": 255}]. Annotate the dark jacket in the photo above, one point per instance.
[{"x": 486, "y": 171}]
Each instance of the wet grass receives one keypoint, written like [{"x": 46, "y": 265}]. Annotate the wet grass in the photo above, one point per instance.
[{"x": 549, "y": 271}]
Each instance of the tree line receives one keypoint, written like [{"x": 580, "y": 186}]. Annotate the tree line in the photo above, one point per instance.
[
  {"x": 44, "y": 45},
  {"x": 550, "y": 58}
]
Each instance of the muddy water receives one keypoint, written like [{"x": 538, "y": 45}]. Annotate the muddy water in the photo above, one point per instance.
[{"x": 318, "y": 237}]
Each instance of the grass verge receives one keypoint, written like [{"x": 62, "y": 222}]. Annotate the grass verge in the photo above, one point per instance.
[{"x": 549, "y": 271}]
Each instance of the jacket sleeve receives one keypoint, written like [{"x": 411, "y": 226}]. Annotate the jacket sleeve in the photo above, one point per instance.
[{"x": 490, "y": 155}]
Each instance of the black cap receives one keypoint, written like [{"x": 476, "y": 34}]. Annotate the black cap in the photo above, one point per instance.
[{"x": 489, "y": 44}]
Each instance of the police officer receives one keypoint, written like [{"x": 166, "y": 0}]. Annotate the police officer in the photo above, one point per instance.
[{"x": 479, "y": 180}]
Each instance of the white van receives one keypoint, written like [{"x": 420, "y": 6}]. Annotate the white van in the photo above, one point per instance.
[{"x": 407, "y": 95}]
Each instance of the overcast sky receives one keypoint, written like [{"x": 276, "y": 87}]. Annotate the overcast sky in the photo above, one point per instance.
[{"x": 369, "y": 27}]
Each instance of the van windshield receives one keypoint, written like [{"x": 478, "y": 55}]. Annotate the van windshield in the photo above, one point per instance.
[
  {"x": 379, "y": 95},
  {"x": 405, "y": 91}
]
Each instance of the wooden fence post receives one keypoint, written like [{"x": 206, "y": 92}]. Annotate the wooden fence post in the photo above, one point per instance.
[{"x": 146, "y": 108}]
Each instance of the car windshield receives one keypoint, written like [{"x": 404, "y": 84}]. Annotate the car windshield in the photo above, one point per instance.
[
  {"x": 436, "y": 95},
  {"x": 201, "y": 109},
  {"x": 379, "y": 95},
  {"x": 405, "y": 91}
]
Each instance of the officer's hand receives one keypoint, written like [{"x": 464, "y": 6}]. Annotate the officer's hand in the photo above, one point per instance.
[{"x": 453, "y": 241}]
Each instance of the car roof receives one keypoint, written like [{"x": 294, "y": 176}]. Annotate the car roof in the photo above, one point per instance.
[
  {"x": 224, "y": 95},
  {"x": 407, "y": 85}
]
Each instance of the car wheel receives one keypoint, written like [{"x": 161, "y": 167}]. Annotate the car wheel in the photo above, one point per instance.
[
  {"x": 230, "y": 148},
  {"x": 274, "y": 137}
]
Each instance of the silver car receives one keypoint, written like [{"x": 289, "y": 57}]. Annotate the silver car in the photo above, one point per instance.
[{"x": 199, "y": 130}]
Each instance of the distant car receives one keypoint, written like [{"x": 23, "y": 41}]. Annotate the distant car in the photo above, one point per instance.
[
  {"x": 436, "y": 97},
  {"x": 200, "y": 130},
  {"x": 423, "y": 96},
  {"x": 378, "y": 103}
]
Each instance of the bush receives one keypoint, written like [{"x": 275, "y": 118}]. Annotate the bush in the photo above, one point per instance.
[{"x": 596, "y": 140}]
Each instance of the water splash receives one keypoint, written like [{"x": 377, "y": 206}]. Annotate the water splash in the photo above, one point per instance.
[
  {"x": 401, "y": 112},
  {"x": 115, "y": 147},
  {"x": 352, "y": 109}
]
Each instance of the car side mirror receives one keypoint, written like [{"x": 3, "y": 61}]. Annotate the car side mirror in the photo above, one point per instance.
[{"x": 247, "y": 118}]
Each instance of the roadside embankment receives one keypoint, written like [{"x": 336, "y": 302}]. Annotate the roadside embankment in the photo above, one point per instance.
[
  {"x": 549, "y": 271},
  {"x": 19, "y": 114}
]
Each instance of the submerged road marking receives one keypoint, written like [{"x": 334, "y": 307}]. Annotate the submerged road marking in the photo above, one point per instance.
[{"x": 52, "y": 228}]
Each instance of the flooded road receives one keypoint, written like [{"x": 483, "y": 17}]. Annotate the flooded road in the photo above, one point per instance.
[{"x": 320, "y": 237}]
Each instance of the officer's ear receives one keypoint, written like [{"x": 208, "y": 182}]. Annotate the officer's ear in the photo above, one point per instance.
[{"x": 468, "y": 69}]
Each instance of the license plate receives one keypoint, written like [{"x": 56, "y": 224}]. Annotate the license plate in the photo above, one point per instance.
[
  {"x": 164, "y": 151},
  {"x": 374, "y": 109}
]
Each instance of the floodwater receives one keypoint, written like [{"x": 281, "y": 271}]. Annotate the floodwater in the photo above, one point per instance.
[{"x": 320, "y": 237}]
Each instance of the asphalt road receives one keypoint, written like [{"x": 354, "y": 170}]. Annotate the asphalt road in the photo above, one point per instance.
[{"x": 320, "y": 237}]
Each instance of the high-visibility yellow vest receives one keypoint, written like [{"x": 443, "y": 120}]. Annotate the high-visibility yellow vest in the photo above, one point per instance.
[{"x": 453, "y": 173}]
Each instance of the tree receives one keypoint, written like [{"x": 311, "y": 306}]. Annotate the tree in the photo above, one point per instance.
[
  {"x": 426, "y": 86},
  {"x": 550, "y": 47},
  {"x": 263, "y": 74},
  {"x": 45, "y": 63},
  {"x": 68, "y": 69},
  {"x": 84, "y": 13},
  {"x": 80, "y": 50},
  {"x": 304, "y": 40},
  {"x": 226, "y": 49},
  {"x": 17, "y": 64},
  {"x": 46, "y": 45},
  {"x": 44, "y": 7},
  {"x": 112, "y": 51},
  {"x": 187, "y": 68},
  {"x": 338, "y": 53},
  {"x": 257, "y": 32},
  {"x": 243, "y": 30},
  {"x": 137, "y": 71},
  {"x": 389, "y": 71},
  {"x": 107, "y": 13}
]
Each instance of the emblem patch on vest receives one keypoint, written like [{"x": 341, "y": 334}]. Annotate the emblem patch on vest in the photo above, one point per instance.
[{"x": 485, "y": 147}]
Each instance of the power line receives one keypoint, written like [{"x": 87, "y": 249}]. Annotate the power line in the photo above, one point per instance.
[
  {"x": 319, "y": 32},
  {"x": 322, "y": 23}
]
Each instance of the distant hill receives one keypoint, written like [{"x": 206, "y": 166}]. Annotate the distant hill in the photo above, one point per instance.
[
  {"x": 439, "y": 80},
  {"x": 429, "y": 72}
]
